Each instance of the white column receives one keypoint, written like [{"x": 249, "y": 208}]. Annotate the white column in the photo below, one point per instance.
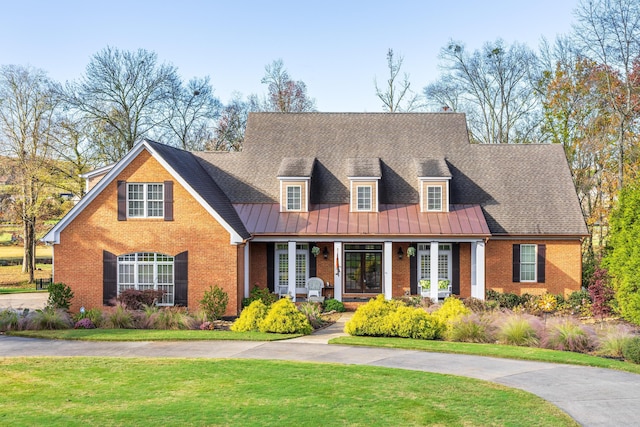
[
  {"x": 433, "y": 253},
  {"x": 387, "y": 267},
  {"x": 246, "y": 270},
  {"x": 292, "y": 270},
  {"x": 337, "y": 270},
  {"x": 480, "y": 270},
  {"x": 474, "y": 267}
]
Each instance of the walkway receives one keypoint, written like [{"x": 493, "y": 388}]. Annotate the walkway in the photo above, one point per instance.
[{"x": 592, "y": 396}]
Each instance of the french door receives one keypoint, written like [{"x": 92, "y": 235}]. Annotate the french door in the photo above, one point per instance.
[{"x": 363, "y": 269}]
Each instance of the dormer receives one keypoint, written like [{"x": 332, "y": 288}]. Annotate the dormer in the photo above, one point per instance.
[
  {"x": 433, "y": 182},
  {"x": 364, "y": 177},
  {"x": 294, "y": 176}
]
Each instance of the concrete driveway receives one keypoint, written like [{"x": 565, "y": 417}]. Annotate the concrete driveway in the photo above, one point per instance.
[
  {"x": 30, "y": 300},
  {"x": 592, "y": 396}
]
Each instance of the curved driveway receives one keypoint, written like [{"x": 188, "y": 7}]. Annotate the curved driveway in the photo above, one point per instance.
[{"x": 592, "y": 396}]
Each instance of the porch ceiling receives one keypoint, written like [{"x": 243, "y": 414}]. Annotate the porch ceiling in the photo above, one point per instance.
[{"x": 335, "y": 219}]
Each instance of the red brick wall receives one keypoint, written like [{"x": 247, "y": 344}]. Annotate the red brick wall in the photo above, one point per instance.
[
  {"x": 212, "y": 259},
  {"x": 401, "y": 270},
  {"x": 563, "y": 267},
  {"x": 465, "y": 270},
  {"x": 257, "y": 265}
]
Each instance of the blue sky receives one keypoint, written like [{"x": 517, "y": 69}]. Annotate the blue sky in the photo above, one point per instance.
[{"x": 336, "y": 47}]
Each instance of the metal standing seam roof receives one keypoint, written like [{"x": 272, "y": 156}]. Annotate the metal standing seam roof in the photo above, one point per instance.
[{"x": 262, "y": 219}]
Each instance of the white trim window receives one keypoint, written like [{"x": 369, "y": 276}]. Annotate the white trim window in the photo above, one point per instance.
[
  {"x": 282, "y": 265},
  {"x": 424, "y": 262},
  {"x": 528, "y": 263},
  {"x": 434, "y": 198},
  {"x": 363, "y": 194},
  {"x": 145, "y": 200},
  {"x": 147, "y": 270},
  {"x": 294, "y": 197}
]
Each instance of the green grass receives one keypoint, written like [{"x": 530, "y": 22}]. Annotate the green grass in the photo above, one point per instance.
[
  {"x": 491, "y": 350},
  {"x": 12, "y": 277},
  {"x": 151, "y": 335},
  {"x": 186, "y": 392}
]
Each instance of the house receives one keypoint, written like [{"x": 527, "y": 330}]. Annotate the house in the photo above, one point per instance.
[{"x": 371, "y": 203}]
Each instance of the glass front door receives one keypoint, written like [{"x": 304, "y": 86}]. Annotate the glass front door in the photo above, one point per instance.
[{"x": 363, "y": 269}]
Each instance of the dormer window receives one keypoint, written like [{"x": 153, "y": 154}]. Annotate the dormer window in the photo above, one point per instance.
[
  {"x": 364, "y": 174},
  {"x": 433, "y": 179},
  {"x": 295, "y": 177}
]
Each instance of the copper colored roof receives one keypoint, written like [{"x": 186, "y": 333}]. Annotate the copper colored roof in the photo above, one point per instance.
[{"x": 336, "y": 220}]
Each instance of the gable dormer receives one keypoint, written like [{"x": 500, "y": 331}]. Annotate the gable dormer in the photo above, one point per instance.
[
  {"x": 433, "y": 182},
  {"x": 364, "y": 178},
  {"x": 294, "y": 176}
]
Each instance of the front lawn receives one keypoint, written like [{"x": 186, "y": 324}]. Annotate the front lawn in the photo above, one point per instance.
[
  {"x": 491, "y": 350},
  {"x": 151, "y": 335},
  {"x": 109, "y": 391}
]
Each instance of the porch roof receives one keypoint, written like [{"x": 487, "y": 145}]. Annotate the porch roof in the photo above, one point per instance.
[{"x": 336, "y": 220}]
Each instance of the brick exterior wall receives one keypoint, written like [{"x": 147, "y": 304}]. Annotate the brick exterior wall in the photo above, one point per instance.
[
  {"x": 563, "y": 267},
  {"x": 212, "y": 259},
  {"x": 401, "y": 270}
]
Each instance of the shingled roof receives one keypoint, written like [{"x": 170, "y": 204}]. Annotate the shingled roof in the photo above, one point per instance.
[{"x": 522, "y": 189}]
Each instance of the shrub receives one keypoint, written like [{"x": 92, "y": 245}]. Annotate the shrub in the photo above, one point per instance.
[
  {"x": 49, "y": 318},
  {"x": 477, "y": 305},
  {"x": 251, "y": 317},
  {"x": 451, "y": 310},
  {"x": 567, "y": 335},
  {"x": 370, "y": 318},
  {"x": 60, "y": 296},
  {"x": 85, "y": 323},
  {"x": 332, "y": 304},
  {"x": 631, "y": 350},
  {"x": 505, "y": 300},
  {"x": 578, "y": 303},
  {"x": 601, "y": 294},
  {"x": 613, "y": 339},
  {"x": 284, "y": 318},
  {"x": 171, "y": 318},
  {"x": 93, "y": 314},
  {"x": 313, "y": 314},
  {"x": 134, "y": 299},
  {"x": 517, "y": 330},
  {"x": 9, "y": 320},
  {"x": 410, "y": 322},
  {"x": 258, "y": 293},
  {"x": 214, "y": 302},
  {"x": 119, "y": 318},
  {"x": 470, "y": 328}
]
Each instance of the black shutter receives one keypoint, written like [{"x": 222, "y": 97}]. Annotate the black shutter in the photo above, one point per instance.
[
  {"x": 542, "y": 253},
  {"x": 168, "y": 200},
  {"x": 122, "y": 200},
  {"x": 270, "y": 265},
  {"x": 181, "y": 278},
  {"x": 313, "y": 262},
  {"x": 516, "y": 263},
  {"x": 413, "y": 272},
  {"x": 109, "y": 277},
  {"x": 455, "y": 267}
]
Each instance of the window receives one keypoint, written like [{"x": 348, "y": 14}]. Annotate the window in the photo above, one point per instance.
[
  {"x": 145, "y": 200},
  {"x": 282, "y": 265},
  {"x": 434, "y": 198},
  {"x": 444, "y": 262},
  {"x": 527, "y": 263},
  {"x": 146, "y": 270},
  {"x": 363, "y": 197},
  {"x": 294, "y": 197}
]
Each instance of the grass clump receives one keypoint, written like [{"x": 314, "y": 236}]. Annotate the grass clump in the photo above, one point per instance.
[
  {"x": 567, "y": 335},
  {"x": 471, "y": 328},
  {"x": 48, "y": 318},
  {"x": 518, "y": 330},
  {"x": 631, "y": 350}
]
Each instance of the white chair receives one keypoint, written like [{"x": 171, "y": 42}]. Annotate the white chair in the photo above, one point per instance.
[
  {"x": 283, "y": 290},
  {"x": 314, "y": 289}
]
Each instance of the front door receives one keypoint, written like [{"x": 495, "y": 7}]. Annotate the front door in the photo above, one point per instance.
[{"x": 363, "y": 269}]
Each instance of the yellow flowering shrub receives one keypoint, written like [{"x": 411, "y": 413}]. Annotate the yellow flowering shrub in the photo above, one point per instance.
[
  {"x": 250, "y": 317},
  {"x": 284, "y": 318}
]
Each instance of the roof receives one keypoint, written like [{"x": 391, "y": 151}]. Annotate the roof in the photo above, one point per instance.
[
  {"x": 522, "y": 189},
  {"x": 336, "y": 220},
  {"x": 296, "y": 167},
  {"x": 364, "y": 167},
  {"x": 186, "y": 169}
]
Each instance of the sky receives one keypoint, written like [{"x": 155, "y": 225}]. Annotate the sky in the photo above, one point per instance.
[{"x": 337, "y": 48}]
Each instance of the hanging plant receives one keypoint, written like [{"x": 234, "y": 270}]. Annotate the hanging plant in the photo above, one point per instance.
[
  {"x": 411, "y": 251},
  {"x": 315, "y": 251}
]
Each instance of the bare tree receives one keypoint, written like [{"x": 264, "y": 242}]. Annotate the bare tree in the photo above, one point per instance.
[
  {"x": 229, "y": 132},
  {"x": 494, "y": 86},
  {"x": 285, "y": 95},
  {"x": 192, "y": 110},
  {"x": 395, "y": 92},
  {"x": 122, "y": 96},
  {"x": 608, "y": 32},
  {"x": 26, "y": 121}
]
